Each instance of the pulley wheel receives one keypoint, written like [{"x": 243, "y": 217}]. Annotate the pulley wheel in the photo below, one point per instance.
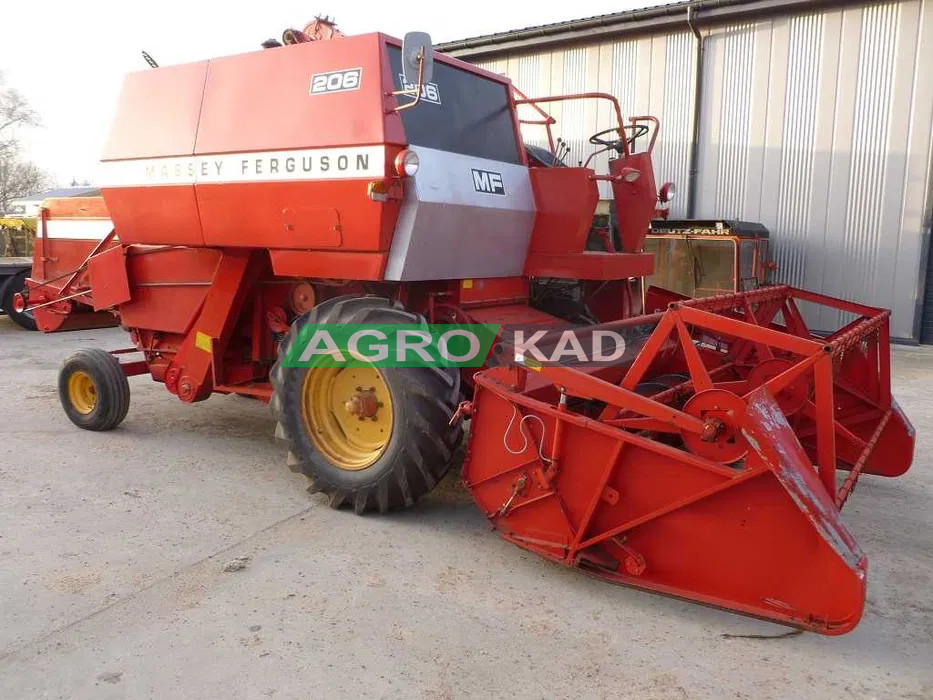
[
  {"x": 302, "y": 298},
  {"x": 792, "y": 397},
  {"x": 722, "y": 412}
]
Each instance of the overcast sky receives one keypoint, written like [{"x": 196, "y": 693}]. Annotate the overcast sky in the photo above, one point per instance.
[{"x": 69, "y": 56}]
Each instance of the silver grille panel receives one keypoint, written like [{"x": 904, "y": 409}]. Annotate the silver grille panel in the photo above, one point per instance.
[{"x": 448, "y": 228}]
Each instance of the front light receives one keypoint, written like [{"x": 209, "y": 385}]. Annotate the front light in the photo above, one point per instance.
[
  {"x": 406, "y": 163},
  {"x": 667, "y": 192}
]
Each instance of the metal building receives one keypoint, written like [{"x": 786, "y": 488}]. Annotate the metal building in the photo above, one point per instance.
[{"x": 814, "y": 118}]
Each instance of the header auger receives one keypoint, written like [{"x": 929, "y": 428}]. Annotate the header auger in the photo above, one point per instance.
[{"x": 366, "y": 181}]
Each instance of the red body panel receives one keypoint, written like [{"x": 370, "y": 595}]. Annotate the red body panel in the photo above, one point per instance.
[
  {"x": 331, "y": 264},
  {"x": 493, "y": 291},
  {"x": 296, "y": 215},
  {"x": 566, "y": 199},
  {"x": 168, "y": 286},
  {"x": 108, "y": 278},
  {"x": 226, "y": 141},
  {"x": 60, "y": 255},
  {"x": 166, "y": 215},
  {"x": 69, "y": 231},
  {"x": 236, "y": 116},
  {"x": 636, "y": 201},
  {"x": 170, "y": 98}
]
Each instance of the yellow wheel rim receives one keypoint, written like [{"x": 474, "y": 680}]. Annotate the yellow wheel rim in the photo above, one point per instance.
[
  {"x": 81, "y": 392},
  {"x": 348, "y": 414}
]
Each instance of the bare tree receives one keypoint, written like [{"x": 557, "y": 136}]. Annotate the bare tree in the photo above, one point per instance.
[{"x": 18, "y": 177}]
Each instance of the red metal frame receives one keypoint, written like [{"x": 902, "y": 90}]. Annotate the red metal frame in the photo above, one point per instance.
[
  {"x": 549, "y": 120},
  {"x": 59, "y": 292},
  {"x": 711, "y": 466}
]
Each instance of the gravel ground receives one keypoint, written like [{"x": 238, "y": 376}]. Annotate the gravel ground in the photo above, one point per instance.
[{"x": 178, "y": 557}]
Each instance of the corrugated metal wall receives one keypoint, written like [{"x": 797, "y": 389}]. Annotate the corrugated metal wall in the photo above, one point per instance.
[{"x": 817, "y": 125}]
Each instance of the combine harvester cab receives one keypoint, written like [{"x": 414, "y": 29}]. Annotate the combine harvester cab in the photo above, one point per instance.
[
  {"x": 711, "y": 466},
  {"x": 362, "y": 190}
]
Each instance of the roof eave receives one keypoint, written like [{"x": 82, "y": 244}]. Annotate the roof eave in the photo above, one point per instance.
[{"x": 643, "y": 21}]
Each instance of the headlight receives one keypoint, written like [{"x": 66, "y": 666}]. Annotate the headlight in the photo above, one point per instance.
[
  {"x": 406, "y": 163},
  {"x": 667, "y": 192}
]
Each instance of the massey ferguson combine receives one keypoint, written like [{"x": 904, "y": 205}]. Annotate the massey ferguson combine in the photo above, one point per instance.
[{"x": 364, "y": 180}]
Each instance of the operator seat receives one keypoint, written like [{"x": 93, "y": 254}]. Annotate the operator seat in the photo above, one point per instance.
[{"x": 542, "y": 157}]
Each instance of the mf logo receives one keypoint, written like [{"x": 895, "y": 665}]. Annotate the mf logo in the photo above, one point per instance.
[{"x": 487, "y": 181}]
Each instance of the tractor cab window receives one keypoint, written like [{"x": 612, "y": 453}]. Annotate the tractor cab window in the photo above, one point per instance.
[
  {"x": 460, "y": 112},
  {"x": 763, "y": 268},
  {"x": 696, "y": 267},
  {"x": 747, "y": 275}
]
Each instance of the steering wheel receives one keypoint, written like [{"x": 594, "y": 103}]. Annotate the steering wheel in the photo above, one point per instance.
[{"x": 638, "y": 130}]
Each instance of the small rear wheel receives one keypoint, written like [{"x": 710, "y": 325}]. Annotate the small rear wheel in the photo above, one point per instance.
[
  {"x": 14, "y": 285},
  {"x": 93, "y": 390}
]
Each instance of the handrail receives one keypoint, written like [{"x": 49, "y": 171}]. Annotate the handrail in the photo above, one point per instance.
[{"x": 578, "y": 96}]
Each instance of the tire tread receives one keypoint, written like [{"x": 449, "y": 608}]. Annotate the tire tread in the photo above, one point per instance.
[
  {"x": 431, "y": 395},
  {"x": 113, "y": 390}
]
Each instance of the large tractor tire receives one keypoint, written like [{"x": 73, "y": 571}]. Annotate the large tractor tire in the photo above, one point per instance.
[
  {"x": 93, "y": 390},
  {"x": 16, "y": 283},
  {"x": 375, "y": 437}
]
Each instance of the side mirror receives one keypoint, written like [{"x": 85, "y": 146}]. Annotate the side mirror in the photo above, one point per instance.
[{"x": 417, "y": 58}]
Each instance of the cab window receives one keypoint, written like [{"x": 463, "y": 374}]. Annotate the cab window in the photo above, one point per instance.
[
  {"x": 747, "y": 275},
  {"x": 696, "y": 267}
]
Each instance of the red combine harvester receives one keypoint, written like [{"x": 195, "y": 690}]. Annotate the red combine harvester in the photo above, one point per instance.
[{"x": 379, "y": 182}]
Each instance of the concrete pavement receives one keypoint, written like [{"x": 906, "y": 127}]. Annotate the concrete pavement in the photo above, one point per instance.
[{"x": 112, "y": 549}]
